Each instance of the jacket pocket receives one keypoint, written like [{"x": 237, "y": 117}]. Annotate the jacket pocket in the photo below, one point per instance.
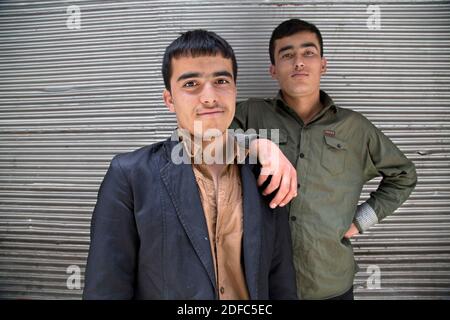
[{"x": 333, "y": 155}]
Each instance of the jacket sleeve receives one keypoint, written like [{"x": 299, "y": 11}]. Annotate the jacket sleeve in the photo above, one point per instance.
[
  {"x": 110, "y": 269},
  {"x": 282, "y": 278},
  {"x": 398, "y": 177}
]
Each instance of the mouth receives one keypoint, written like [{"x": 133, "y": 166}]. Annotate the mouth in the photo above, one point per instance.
[
  {"x": 210, "y": 113},
  {"x": 299, "y": 75}
]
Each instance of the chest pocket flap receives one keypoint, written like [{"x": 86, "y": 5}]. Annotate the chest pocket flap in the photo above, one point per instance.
[
  {"x": 333, "y": 155},
  {"x": 335, "y": 143}
]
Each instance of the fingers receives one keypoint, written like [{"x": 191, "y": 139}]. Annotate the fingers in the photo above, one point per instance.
[
  {"x": 274, "y": 183},
  {"x": 347, "y": 235},
  {"x": 282, "y": 193},
  {"x": 283, "y": 174},
  {"x": 292, "y": 191},
  {"x": 262, "y": 179},
  {"x": 351, "y": 232},
  {"x": 284, "y": 178},
  {"x": 266, "y": 172}
]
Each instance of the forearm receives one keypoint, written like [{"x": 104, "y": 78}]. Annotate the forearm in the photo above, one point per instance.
[{"x": 390, "y": 195}]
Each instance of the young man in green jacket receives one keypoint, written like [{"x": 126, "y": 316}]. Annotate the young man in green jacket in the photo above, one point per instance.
[{"x": 335, "y": 152}]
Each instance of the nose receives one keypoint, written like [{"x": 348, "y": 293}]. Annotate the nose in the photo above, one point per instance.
[
  {"x": 299, "y": 64},
  {"x": 208, "y": 96}
]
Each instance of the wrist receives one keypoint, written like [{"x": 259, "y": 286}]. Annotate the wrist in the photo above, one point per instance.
[{"x": 365, "y": 217}]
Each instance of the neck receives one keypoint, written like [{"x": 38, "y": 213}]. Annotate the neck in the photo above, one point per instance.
[
  {"x": 216, "y": 150},
  {"x": 306, "y": 106}
]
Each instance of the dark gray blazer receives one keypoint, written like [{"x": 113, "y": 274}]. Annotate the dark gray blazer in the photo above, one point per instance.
[{"x": 149, "y": 238}]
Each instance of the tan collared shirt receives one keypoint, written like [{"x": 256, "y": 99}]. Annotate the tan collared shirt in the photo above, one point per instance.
[{"x": 223, "y": 211}]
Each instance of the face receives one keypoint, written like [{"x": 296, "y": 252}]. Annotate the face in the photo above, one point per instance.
[
  {"x": 202, "y": 89},
  {"x": 298, "y": 64}
]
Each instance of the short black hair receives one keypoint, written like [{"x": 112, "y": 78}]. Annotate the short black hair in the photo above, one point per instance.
[
  {"x": 290, "y": 27},
  {"x": 196, "y": 43}
]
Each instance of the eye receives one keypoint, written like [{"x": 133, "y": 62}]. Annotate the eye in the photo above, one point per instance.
[
  {"x": 287, "y": 56},
  {"x": 222, "y": 81},
  {"x": 309, "y": 53},
  {"x": 190, "y": 84}
]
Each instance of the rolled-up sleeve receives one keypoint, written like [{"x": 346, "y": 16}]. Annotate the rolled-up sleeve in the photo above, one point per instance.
[{"x": 398, "y": 178}]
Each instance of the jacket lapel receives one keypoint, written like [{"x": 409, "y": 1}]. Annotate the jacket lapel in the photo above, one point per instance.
[
  {"x": 252, "y": 230},
  {"x": 182, "y": 188}
]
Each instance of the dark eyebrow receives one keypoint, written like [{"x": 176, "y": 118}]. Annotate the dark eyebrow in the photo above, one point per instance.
[
  {"x": 303, "y": 45},
  {"x": 309, "y": 44},
  {"x": 188, "y": 75},
  {"x": 222, "y": 74},
  {"x": 289, "y": 47}
]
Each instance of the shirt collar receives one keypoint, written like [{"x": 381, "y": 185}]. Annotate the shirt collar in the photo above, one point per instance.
[
  {"x": 325, "y": 99},
  {"x": 194, "y": 148}
]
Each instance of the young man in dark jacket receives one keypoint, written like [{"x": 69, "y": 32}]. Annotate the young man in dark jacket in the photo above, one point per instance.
[{"x": 183, "y": 218}]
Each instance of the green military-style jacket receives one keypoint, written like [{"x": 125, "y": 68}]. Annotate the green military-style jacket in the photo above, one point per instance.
[{"x": 334, "y": 155}]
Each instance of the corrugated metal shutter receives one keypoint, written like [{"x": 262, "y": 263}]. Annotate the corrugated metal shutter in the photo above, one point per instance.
[{"x": 72, "y": 98}]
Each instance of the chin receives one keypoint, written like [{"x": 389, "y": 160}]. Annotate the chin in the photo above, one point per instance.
[
  {"x": 300, "y": 92},
  {"x": 212, "y": 130}
]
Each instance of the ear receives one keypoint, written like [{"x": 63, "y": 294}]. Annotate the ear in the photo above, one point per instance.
[
  {"x": 168, "y": 100},
  {"x": 324, "y": 66},
  {"x": 273, "y": 72}
]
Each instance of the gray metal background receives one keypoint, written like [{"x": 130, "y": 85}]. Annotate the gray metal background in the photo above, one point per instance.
[{"x": 71, "y": 99}]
